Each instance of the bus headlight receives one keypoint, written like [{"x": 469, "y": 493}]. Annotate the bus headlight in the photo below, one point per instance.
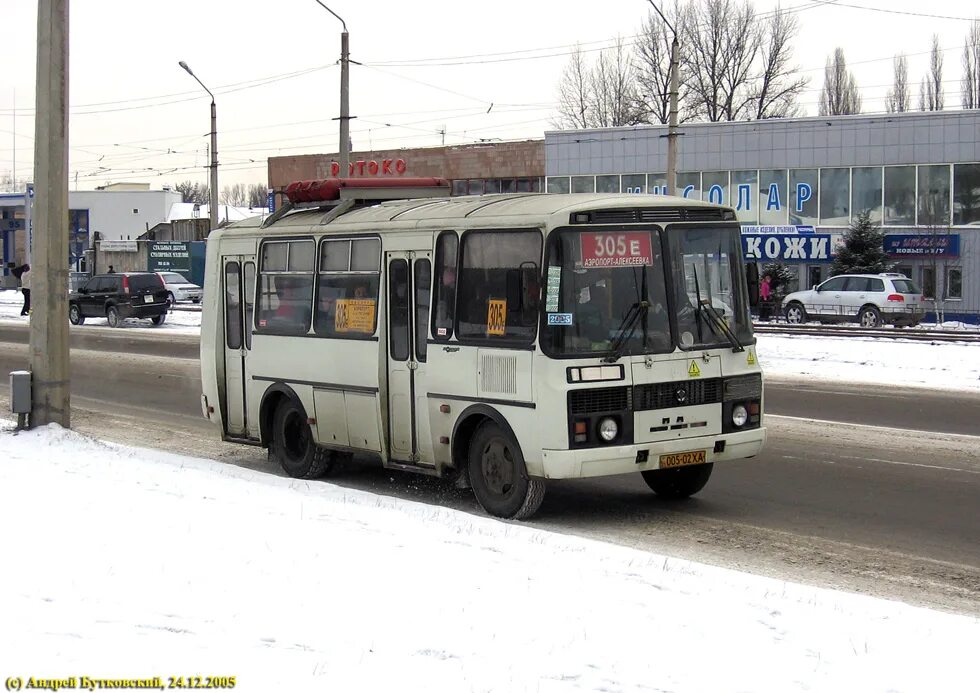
[
  {"x": 739, "y": 415},
  {"x": 608, "y": 429}
]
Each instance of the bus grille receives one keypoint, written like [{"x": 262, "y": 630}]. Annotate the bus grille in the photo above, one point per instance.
[
  {"x": 596, "y": 400},
  {"x": 681, "y": 393},
  {"x": 650, "y": 215}
]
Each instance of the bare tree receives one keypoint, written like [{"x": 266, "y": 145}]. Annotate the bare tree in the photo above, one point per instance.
[
  {"x": 840, "y": 93},
  {"x": 235, "y": 195},
  {"x": 931, "y": 89},
  {"x": 970, "y": 94},
  {"x": 898, "y": 99},
  {"x": 193, "y": 192},
  {"x": 777, "y": 86},
  {"x": 603, "y": 95},
  {"x": 257, "y": 195},
  {"x": 574, "y": 93},
  {"x": 653, "y": 65},
  {"x": 722, "y": 42}
]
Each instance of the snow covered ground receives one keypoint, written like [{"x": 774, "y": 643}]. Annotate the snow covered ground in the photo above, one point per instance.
[{"x": 124, "y": 562}]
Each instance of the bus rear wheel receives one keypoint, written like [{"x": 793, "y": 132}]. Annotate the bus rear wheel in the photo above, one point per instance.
[
  {"x": 679, "y": 482},
  {"x": 292, "y": 444},
  {"x": 499, "y": 477}
]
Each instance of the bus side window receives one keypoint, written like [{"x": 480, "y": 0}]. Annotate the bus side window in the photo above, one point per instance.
[
  {"x": 286, "y": 286},
  {"x": 496, "y": 299},
  {"x": 349, "y": 279},
  {"x": 444, "y": 309}
]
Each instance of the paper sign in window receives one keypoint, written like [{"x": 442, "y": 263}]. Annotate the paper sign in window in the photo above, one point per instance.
[
  {"x": 354, "y": 315},
  {"x": 616, "y": 249},
  {"x": 496, "y": 317}
]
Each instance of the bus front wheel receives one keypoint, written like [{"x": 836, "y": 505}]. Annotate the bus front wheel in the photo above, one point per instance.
[
  {"x": 499, "y": 477},
  {"x": 293, "y": 446},
  {"x": 680, "y": 482}
]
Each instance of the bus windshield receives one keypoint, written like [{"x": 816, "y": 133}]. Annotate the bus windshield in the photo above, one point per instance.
[
  {"x": 708, "y": 286},
  {"x": 605, "y": 294}
]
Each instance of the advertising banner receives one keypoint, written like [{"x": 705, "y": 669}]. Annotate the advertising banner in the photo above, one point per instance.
[
  {"x": 906, "y": 244},
  {"x": 168, "y": 256},
  {"x": 816, "y": 247}
]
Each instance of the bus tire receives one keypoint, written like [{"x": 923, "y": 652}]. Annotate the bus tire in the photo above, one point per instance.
[
  {"x": 680, "y": 482},
  {"x": 499, "y": 476},
  {"x": 292, "y": 443}
]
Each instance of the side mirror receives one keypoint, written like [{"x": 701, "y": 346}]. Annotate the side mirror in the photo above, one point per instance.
[{"x": 815, "y": 288}]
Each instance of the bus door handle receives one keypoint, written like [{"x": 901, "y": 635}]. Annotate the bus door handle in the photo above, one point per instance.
[{"x": 450, "y": 350}]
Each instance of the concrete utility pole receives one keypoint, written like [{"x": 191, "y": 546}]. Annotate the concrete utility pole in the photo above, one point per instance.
[
  {"x": 213, "y": 202},
  {"x": 50, "y": 390},
  {"x": 675, "y": 61},
  {"x": 344, "y": 95}
]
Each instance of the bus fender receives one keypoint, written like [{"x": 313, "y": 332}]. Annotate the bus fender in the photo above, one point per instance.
[
  {"x": 466, "y": 425},
  {"x": 267, "y": 409}
]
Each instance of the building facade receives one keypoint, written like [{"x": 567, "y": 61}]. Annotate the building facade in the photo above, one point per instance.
[
  {"x": 474, "y": 169},
  {"x": 118, "y": 214},
  {"x": 796, "y": 185}
]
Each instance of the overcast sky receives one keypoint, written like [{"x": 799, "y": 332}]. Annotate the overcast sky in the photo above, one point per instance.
[{"x": 426, "y": 66}]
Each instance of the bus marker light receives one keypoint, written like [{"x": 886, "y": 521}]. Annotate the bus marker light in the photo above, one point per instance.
[
  {"x": 444, "y": 408},
  {"x": 444, "y": 440},
  {"x": 311, "y": 421}
]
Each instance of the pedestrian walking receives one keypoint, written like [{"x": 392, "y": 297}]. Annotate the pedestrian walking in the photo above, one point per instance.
[
  {"x": 111, "y": 270},
  {"x": 765, "y": 296},
  {"x": 24, "y": 274}
]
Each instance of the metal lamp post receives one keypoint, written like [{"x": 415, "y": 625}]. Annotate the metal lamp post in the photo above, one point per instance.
[
  {"x": 344, "y": 95},
  {"x": 213, "y": 205},
  {"x": 672, "y": 118}
]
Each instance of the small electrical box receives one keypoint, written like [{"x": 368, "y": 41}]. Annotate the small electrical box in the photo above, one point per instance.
[{"x": 20, "y": 392}]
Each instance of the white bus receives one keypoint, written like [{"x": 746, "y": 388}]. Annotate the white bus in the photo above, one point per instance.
[{"x": 501, "y": 340}]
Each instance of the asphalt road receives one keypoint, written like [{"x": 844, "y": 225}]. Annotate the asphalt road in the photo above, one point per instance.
[{"x": 886, "y": 511}]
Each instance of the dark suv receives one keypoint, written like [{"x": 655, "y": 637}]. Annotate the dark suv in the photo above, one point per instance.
[{"x": 116, "y": 297}]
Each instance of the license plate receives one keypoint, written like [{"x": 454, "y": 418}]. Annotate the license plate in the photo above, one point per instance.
[
  {"x": 147, "y": 299},
  {"x": 680, "y": 459}
]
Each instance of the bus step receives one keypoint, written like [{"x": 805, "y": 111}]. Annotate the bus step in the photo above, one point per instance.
[{"x": 409, "y": 467}]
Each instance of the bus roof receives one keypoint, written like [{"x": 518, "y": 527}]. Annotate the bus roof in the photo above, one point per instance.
[{"x": 532, "y": 209}]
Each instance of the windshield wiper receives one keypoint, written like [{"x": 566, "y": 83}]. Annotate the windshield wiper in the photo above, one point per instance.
[
  {"x": 626, "y": 329},
  {"x": 714, "y": 320}
]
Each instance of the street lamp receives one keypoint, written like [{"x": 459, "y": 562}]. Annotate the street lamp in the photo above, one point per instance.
[
  {"x": 344, "y": 95},
  {"x": 672, "y": 118},
  {"x": 213, "y": 202}
]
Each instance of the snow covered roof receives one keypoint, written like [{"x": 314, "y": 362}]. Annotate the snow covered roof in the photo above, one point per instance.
[{"x": 229, "y": 213}]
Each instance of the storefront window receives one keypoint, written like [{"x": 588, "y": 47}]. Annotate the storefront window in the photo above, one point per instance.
[
  {"x": 966, "y": 193},
  {"x": 954, "y": 283},
  {"x": 899, "y": 195},
  {"x": 934, "y": 195},
  {"x": 657, "y": 183},
  {"x": 476, "y": 186},
  {"x": 460, "y": 188},
  {"x": 689, "y": 185},
  {"x": 583, "y": 184},
  {"x": 607, "y": 184},
  {"x": 715, "y": 185},
  {"x": 491, "y": 185},
  {"x": 803, "y": 193},
  {"x": 866, "y": 197},
  {"x": 744, "y": 200},
  {"x": 636, "y": 183},
  {"x": 558, "y": 184},
  {"x": 773, "y": 202},
  {"x": 835, "y": 196}
]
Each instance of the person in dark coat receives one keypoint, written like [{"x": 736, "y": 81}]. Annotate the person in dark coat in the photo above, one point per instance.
[{"x": 23, "y": 274}]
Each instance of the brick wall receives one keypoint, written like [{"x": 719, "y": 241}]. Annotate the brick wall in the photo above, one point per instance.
[{"x": 491, "y": 160}]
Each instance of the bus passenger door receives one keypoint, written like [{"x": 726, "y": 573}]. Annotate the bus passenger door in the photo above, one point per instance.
[
  {"x": 409, "y": 282},
  {"x": 239, "y": 282}
]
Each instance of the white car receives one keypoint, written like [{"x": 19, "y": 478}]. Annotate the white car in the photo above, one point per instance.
[
  {"x": 869, "y": 299},
  {"x": 179, "y": 289}
]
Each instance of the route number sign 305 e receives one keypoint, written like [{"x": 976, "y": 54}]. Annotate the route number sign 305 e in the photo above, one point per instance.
[{"x": 616, "y": 249}]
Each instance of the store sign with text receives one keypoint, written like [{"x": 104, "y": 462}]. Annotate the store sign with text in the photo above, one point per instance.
[
  {"x": 385, "y": 167},
  {"x": 810, "y": 247},
  {"x": 916, "y": 244}
]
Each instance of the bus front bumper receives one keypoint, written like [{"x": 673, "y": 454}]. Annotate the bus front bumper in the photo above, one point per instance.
[{"x": 622, "y": 459}]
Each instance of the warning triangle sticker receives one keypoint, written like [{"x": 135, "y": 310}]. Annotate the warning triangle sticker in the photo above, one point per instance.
[
  {"x": 751, "y": 358},
  {"x": 693, "y": 371}
]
